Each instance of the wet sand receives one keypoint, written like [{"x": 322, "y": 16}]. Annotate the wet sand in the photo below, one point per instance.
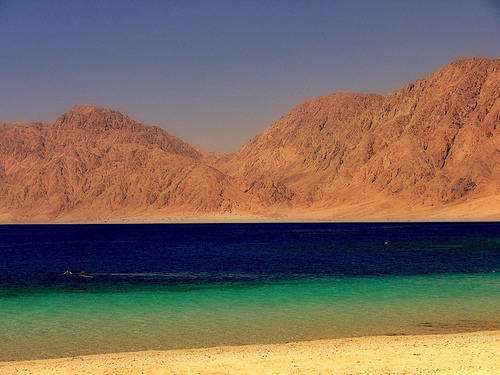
[{"x": 467, "y": 353}]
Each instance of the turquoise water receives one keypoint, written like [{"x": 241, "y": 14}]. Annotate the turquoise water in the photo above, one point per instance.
[
  {"x": 46, "y": 325},
  {"x": 188, "y": 286}
]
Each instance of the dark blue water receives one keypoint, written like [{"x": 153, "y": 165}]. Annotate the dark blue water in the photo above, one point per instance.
[
  {"x": 204, "y": 253},
  {"x": 191, "y": 285}
]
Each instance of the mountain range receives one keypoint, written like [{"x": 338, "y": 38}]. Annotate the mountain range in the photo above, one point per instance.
[{"x": 429, "y": 151}]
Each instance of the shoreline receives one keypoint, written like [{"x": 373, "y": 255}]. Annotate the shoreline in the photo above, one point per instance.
[
  {"x": 372, "y": 211},
  {"x": 464, "y": 353},
  {"x": 256, "y": 220}
]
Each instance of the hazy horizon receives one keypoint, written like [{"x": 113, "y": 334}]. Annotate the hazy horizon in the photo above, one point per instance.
[{"x": 217, "y": 73}]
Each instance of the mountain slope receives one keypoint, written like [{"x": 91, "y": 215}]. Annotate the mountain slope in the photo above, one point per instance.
[
  {"x": 430, "y": 150},
  {"x": 94, "y": 163},
  {"x": 433, "y": 143},
  {"x": 292, "y": 158}
]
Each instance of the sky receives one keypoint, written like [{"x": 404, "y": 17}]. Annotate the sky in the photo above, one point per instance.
[{"x": 217, "y": 73}]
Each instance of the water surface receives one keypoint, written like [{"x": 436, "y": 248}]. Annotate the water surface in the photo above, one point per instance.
[{"x": 199, "y": 285}]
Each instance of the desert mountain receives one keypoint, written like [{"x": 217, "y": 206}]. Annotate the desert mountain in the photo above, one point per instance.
[
  {"x": 94, "y": 163},
  {"x": 430, "y": 150},
  {"x": 433, "y": 144}
]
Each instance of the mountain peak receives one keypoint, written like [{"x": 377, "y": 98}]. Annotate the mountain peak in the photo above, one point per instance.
[
  {"x": 464, "y": 71},
  {"x": 470, "y": 61},
  {"x": 89, "y": 117},
  {"x": 82, "y": 108}
]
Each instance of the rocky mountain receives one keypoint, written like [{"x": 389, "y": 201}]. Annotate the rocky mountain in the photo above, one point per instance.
[
  {"x": 293, "y": 160},
  {"x": 94, "y": 164},
  {"x": 428, "y": 147},
  {"x": 430, "y": 150}
]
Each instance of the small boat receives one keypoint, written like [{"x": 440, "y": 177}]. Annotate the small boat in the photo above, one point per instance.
[{"x": 82, "y": 274}]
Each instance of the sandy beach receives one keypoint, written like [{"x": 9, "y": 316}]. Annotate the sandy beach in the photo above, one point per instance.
[{"x": 468, "y": 353}]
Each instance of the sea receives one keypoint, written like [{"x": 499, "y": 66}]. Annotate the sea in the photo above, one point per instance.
[{"x": 172, "y": 286}]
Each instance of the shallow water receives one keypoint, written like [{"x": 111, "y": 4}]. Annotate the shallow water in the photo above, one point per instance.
[{"x": 185, "y": 286}]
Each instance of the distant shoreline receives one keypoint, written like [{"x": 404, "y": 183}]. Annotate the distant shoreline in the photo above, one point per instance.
[
  {"x": 465, "y": 353},
  {"x": 255, "y": 219}
]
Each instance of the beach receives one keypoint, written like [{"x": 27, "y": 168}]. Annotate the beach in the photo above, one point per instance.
[{"x": 466, "y": 353}]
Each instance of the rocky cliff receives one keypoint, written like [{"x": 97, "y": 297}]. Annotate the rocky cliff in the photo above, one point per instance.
[{"x": 430, "y": 150}]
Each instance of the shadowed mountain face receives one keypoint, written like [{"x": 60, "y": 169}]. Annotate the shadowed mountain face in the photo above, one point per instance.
[{"x": 431, "y": 149}]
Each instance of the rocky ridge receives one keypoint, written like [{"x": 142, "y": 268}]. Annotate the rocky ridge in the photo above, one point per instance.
[
  {"x": 94, "y": 164},
  {"x": 433, "y": 143},
  {"x": 429, "y": 150}
]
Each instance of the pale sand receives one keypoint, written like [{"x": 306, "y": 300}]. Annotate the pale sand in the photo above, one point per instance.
[{"x": 470, "y": 353}]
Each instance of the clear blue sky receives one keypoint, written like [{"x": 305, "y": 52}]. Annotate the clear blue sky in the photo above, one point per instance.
[{"x": 217, "y": 73}]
